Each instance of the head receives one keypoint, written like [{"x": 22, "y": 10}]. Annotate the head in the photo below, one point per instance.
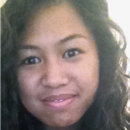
[
  {"x": 67, "y": 59},
  {"x": 58, "y": 72}
]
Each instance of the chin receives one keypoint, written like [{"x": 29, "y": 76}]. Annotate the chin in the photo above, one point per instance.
[{"x": 61, "y": 123}]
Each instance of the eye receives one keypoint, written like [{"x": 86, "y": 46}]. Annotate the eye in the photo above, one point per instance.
[
  {"x": 71, "y": 53},
  {"x": 30, "y": 60}
]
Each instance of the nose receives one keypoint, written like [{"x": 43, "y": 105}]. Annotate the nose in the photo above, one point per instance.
[{"x": 55, "y": 75}]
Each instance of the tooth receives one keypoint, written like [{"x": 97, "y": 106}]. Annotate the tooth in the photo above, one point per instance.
[
  {"x": 61, "y": 100},
  {"x": 56, "y": 101}
]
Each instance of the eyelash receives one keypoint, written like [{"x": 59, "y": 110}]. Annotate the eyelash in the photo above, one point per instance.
[
  {"x": 71, "y": 53},
  {"x": 35, "y": 60},
  {"x": 30, "y": 60}
]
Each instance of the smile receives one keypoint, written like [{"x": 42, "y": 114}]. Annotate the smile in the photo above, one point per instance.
[{"x": 59, "y": 101}]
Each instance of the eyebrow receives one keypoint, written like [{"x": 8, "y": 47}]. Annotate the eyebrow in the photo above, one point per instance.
[
  {"x": 31, "y": 47},
  {"x": 71, "y": 37},
  {"x": 66, "y": 39}
]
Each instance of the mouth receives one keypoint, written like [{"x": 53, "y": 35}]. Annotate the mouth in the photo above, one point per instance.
[{"x": 59, "y": 101}]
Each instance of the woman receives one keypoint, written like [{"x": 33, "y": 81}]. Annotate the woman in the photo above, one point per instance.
[{"x": 60, "y": 67}]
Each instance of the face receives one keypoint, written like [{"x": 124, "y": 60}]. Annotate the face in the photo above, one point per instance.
[{"x": 58, "y": 68}]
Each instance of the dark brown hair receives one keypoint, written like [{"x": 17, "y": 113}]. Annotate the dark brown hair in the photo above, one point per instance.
[{"x": 107, "y": 110}]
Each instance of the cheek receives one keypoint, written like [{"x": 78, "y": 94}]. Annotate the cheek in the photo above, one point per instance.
[
  {"x": 28, "y": 83},
  {"x": 87, "y": 78},
  {"x": 88, "y": 70},
  {"x": 29, "y": 89},
  {"x": 91, "y": 78}
]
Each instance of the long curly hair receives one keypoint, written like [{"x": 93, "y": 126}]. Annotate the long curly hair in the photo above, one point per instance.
[{"x": 107, "y": 112}]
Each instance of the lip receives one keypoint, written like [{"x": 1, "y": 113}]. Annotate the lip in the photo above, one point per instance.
[{"x": 59, "y": 101}]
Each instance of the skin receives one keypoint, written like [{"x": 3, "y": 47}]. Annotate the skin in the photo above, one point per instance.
[{"x": 65, "y": 61}]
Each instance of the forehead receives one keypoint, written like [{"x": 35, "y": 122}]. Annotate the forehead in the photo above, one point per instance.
[
  {"x": 51, "y": 17},
  {"x": 54, "y": 23}
]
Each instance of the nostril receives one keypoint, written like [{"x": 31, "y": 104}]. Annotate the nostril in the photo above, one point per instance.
[
  {"x": 55, "y": 82},
  {"x": 55, "y": 79}
]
